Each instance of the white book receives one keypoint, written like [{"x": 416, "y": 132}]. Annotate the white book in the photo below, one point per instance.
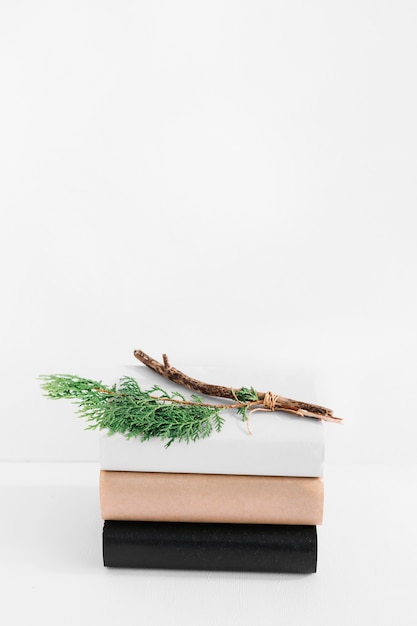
[{"x": 281, "y": 444}]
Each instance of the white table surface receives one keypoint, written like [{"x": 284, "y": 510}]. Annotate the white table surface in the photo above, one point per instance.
[{"x": 51, "y": 568}]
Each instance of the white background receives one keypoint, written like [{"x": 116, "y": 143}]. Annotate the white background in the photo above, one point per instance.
[{"x": 232, "y": 183}]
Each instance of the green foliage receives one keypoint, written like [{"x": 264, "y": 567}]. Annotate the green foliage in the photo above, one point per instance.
[
  {"x": 129, "y": 410},
  {"x": 245, "y": 394}
]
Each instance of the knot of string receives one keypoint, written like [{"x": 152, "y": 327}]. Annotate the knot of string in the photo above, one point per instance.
[
  {"x": 271, "y": 400},
  {"x": 269, "y": 403}
]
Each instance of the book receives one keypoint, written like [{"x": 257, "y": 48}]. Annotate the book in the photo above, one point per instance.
[
  {"x": 281, "y": 445},
  {"x": 204, "y": 546},
  {"x": 172, "y": 497}
]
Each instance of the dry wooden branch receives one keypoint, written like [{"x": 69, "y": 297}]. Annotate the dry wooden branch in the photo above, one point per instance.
[{"x": 267, "y": 400}]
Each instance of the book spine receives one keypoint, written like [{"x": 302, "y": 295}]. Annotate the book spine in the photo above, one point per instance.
[
  {"x": 205, "y": 546},
  {"x": 169, "y": 497},
  {"x": 296, "y": 451}
]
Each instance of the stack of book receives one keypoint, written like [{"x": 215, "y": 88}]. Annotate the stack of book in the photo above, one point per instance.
[{"x": 233, "y": 501}]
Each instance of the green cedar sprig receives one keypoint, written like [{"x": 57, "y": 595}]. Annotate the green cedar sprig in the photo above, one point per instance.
[
  {"x": 127, "y": 409},
  {"x": 245, "y": 394}
]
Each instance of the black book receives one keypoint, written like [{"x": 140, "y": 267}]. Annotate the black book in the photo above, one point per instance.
[{"x": 203, "y": 546}]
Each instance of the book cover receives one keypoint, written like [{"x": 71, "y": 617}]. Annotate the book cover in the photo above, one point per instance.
[
  {"x": 218, "y": 547},
  {"x": 147, "y": 496}
]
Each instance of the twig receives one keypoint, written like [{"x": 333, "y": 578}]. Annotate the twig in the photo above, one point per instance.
[{"x": 270, "y": 401}]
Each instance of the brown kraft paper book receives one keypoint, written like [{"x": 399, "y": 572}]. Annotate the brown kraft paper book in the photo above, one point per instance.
[{"x": 215, "y": 498}]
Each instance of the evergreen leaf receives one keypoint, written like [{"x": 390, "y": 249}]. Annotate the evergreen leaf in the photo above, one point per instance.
[{"x": 127, "y": 409}]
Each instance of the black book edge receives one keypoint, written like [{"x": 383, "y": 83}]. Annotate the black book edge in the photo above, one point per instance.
[{"x": 275, "y": 548}]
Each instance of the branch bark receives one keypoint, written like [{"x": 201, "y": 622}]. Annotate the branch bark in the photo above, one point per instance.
[{"x": 267, "y": 400}]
